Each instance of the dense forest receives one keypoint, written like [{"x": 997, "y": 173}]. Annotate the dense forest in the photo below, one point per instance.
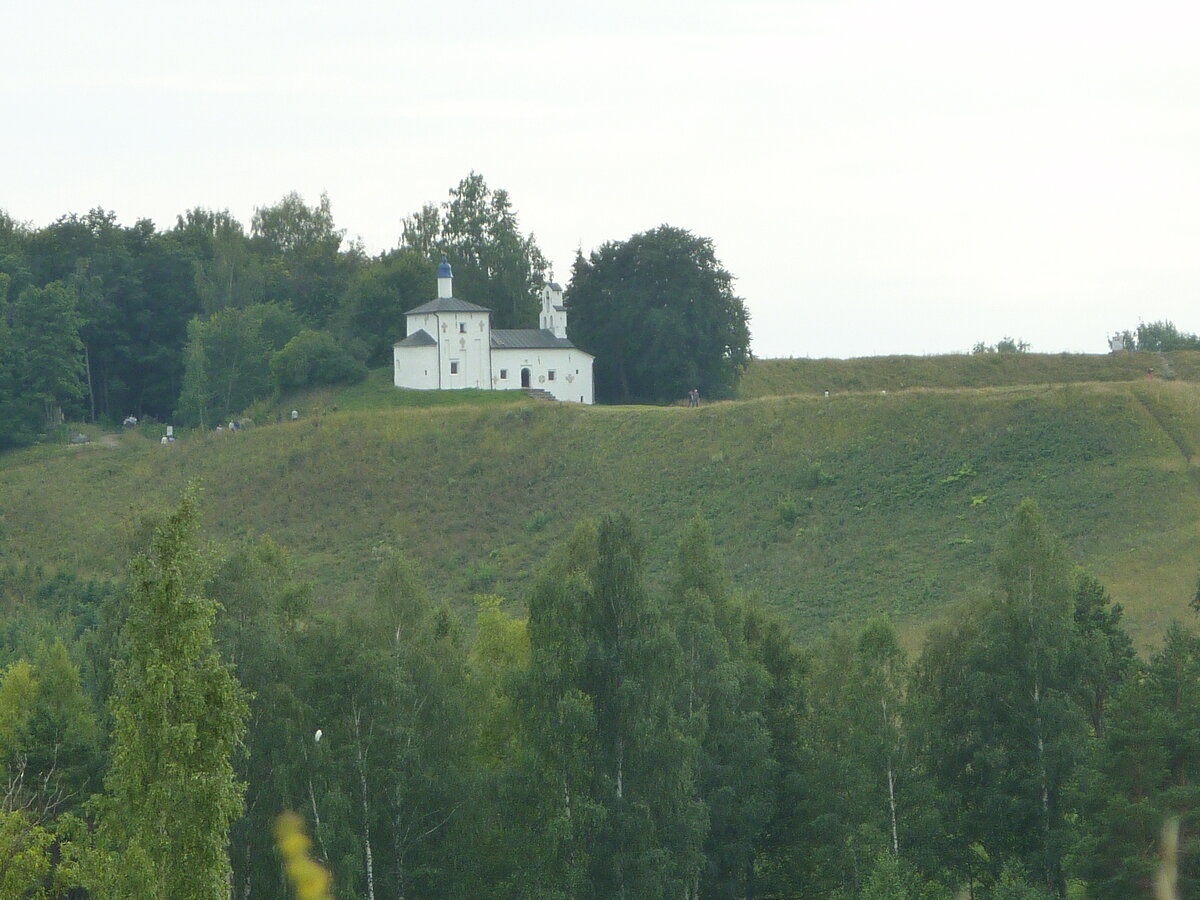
[
  {"x": 100, "y": 321},
  {"x": 615, "y": 741}
]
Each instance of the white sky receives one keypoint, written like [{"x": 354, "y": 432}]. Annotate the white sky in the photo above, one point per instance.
[{"x": 880, "y": 176}]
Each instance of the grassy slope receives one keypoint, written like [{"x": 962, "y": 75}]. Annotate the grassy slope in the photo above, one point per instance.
[
  {"x": 827, "y": 509},
  {"x": 777, "y": 377}
]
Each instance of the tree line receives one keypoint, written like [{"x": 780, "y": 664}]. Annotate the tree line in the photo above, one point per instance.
[
  {"x": 610, "y": 740},
  {"x": 192, "y": 324}
]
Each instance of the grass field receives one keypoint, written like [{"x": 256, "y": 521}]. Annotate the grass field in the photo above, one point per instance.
[
  {"x": 780, "y": 377},
  {"x": 826, "y": 509}
]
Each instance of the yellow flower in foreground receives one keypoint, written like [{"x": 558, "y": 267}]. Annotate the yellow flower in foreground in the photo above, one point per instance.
[{"x": 307, "y": 876}]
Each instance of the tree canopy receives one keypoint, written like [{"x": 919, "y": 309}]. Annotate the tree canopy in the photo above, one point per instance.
[
  {"x": 495, "y": 265},
  {"x": 659, "y": 313}
]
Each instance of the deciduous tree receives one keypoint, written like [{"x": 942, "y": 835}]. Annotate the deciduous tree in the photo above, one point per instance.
[
  {"x": 1001, "y": 714},
  {"x": 179, "y": 716},
  {"x": 659, "y": 313}
]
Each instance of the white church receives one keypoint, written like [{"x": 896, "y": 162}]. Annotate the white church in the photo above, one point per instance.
[{"x": 451, "y": 344}]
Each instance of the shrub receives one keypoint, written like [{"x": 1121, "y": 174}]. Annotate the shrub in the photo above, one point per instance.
[{"x": 314, "y": 358}]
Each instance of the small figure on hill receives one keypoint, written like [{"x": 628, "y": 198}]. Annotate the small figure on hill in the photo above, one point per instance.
[
  {"x": 694, "y": 397},
  {"x": 1149, "y": 374},
  {"x": 295, "y": 415},
  {"x": 164, "y": 440},
  {"x": 130, "y": 421},
  {"x": 220, "y": 429}
]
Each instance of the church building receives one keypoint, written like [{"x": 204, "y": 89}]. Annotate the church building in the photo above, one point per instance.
[{"x": 451, "y": 344}]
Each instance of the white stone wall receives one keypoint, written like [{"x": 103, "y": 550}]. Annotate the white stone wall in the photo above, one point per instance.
[
  {"x": 464, "y": 361},
  {"x": 416, "y": 367},
  {"x": 567, "y": 374},
  {"x": 465, "y": 340}
]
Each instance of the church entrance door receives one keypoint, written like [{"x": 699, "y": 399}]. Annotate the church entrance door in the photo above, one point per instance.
[{"x": 524, "y": 378}]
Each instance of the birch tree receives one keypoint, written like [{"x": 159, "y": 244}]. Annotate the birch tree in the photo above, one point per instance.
[
  {"x": 606, "y": 662},
  {"x": 1003, "y": 725},
  {"x": 179, "y": 716}
]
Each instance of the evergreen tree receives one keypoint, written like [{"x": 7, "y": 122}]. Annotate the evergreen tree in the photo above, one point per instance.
[
  {"x": 1106, "y": 650},
  {"x": 179, "y": 716},
  {"x": 559, "y": 721},
  {"x": 1141, "y": 773},
  {"x": 505, "y": 800}
]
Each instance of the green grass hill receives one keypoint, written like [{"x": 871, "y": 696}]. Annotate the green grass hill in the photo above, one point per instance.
[{"x": 885, "y": 497}]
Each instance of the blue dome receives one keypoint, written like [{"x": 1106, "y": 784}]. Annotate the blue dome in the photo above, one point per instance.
[{"x": 444, "y": 269}]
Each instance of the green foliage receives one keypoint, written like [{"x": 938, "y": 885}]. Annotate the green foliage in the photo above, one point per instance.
[
  {"x": 371, "y": 312},
  {"x": 302, "y": 265},
  {"x": 1159, "y": 337},
  {"x": 136, "y": 291},
  {"x": 890, "y": 878},
  {"x": 1106, "y": 652},
  {"x": 659, "y": 313},
  {"x": 494, "y": 263},
  {"x": 314, "y": 358},
  {"x": 722, "y": 690},
  {"x": 1001, "y": 718},
  {"x": 45, "y": 329},
  {"x": 27, "y": 851},
  {"x": 41, "y": 359},
  {"x": 228, "y": 360},
  {"x": 227, "y": 271},
  {"x": 617, "y": 756},
  {"x": 179, "y": 716},
  {"x": 1140, "y": 774},
  {"x": 1014, "y": 884},
  {"x": 1004, "y": 345},
  {"x": 788, "y": 510},
  {"x": 658, "y": 735}
]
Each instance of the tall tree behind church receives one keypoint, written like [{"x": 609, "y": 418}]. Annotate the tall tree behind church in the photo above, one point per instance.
[{"x": 495, "y": 265}]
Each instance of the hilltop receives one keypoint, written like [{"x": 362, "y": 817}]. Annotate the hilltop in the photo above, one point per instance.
[{"x": 884, "y": 497}]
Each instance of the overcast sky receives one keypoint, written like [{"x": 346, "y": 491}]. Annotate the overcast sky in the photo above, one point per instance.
[{"x": 880, "y": 176}]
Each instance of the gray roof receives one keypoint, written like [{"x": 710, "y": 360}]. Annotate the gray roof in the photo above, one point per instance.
[
  {"x": 528, "y": 339},
  {"x": 419, "y": 338},
  {"x": 446, "y": 304}
]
